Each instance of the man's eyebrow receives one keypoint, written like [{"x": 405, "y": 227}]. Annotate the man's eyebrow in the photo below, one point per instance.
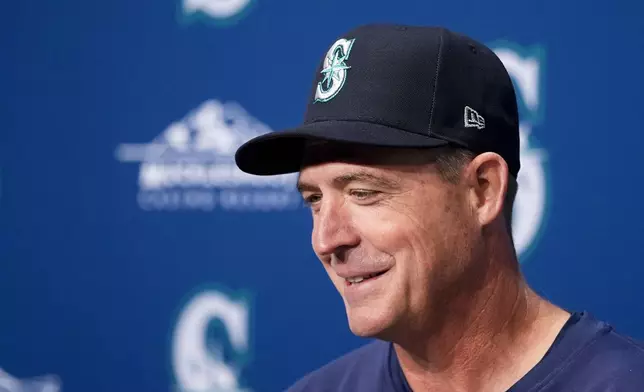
[
  {"x": 303, "y": 186},
  {"x": 363, "y": 176},
  {"x": 358, "y": 176}
]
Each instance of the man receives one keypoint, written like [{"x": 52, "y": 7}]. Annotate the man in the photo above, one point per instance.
[{"x": 408, "y": 158}]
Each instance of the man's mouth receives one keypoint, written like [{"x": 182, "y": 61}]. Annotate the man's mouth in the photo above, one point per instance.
[{"x": 363, "y": 278}]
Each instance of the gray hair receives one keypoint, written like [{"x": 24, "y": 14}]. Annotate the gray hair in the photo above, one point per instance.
[{"x": 450, "y": 161}]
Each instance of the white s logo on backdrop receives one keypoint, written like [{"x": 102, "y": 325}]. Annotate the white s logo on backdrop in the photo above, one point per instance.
[
  {"x": 200, "y": 363},
  {"x": 218, "y": 10},
  {"x": 525, "y": 69}
]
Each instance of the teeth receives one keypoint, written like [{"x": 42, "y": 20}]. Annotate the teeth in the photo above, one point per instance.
[{"x": 359, "y": 279}]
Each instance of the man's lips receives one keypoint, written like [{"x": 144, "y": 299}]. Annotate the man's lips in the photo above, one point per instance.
[{"x": 355, "y": 277}]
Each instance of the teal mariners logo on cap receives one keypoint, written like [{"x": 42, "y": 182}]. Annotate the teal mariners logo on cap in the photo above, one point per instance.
[{"x": 334, "y": 70}]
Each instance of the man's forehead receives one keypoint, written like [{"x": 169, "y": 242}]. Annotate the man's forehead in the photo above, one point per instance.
[
  {"x": 340, "y": 175},
  {"x": 344, "y": 163}
]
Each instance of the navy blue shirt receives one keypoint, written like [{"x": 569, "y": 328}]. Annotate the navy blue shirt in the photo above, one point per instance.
[{"x": 587, "y": 356}]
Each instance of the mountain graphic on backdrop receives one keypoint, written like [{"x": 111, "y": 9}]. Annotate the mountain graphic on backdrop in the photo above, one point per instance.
[{"x": 211, "y": 132}]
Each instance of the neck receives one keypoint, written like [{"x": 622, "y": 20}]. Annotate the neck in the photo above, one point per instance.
[{"x": 486, "y": 340}]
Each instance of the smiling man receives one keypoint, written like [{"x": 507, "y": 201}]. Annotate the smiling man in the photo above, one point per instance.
[{"x": 408, "y": 159}]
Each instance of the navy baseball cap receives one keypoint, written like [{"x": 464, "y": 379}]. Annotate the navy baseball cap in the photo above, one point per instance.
[{"x": 399, "y": 86}]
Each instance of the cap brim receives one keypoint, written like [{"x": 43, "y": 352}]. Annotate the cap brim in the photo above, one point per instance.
[{"x": 283, "y": 152}]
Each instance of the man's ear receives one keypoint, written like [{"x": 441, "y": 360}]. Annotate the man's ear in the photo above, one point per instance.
[{"x": 486, "y": 177}]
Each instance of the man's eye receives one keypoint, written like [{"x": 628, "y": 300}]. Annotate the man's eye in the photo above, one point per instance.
[
  {"x": 363, "y": 194},
  {"x": 312, "y": 199}
]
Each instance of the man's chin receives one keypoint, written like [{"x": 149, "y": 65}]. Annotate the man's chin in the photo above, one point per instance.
[{"x": 368, "y": 323}]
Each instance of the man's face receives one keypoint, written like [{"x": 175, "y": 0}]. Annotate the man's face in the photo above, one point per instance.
[{"x": 393, "y": 236}]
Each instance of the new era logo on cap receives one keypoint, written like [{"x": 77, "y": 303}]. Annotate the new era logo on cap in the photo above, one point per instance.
[{"x": 473, "y": 119}]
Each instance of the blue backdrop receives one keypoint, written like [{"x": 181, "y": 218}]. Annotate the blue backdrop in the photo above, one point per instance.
[{"x": 135, "y": 257}]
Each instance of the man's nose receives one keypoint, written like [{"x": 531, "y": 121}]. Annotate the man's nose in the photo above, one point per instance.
[{"x": 333, "y": 229}]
